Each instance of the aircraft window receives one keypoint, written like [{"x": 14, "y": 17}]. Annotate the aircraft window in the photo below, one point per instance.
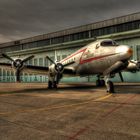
[{"x": 109, "y": 43}]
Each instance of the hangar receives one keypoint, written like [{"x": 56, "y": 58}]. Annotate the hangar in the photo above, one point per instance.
[{"x": 57, "y": 45}]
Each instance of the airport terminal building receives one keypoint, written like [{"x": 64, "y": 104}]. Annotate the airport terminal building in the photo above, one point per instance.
[{"x": 57, "y": 45}]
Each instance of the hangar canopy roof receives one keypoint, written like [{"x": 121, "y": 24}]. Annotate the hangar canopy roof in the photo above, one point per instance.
[{"x": 96, "y": 25}]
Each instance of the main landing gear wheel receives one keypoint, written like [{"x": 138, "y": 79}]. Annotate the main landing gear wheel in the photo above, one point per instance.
[
  {"x": 49, "y": 85},
  {"x": 55, "y": 84},
  {"x": 100, "y": 83},
  {"x": 110, "y": 87},
  {"x": 52, "y": 85}
]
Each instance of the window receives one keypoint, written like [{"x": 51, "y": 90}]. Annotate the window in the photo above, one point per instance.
[
  {"x": 43, "y": 42},
  {"x": 40, "y": 61},
  {"x": 35, "y": 61},
  {"x": 81, "y": 35},
  {"x": 58, "y": 58},
  {"x": 4, "y": 72},
  {"x": 46, "y": 61},
  {"x": 108, "y": 43},
  {"x": 138, "y": 52},
  {"x": 64, "y": 56},
  {"x": 11, "y": 48},
  {"x": 52, "y": 58},
  {"x": 30, "y": 62},
  {"x": 66, "y": 38},
  {"x": 57, "y": 40},
  {"x": 116, "y": 28}
]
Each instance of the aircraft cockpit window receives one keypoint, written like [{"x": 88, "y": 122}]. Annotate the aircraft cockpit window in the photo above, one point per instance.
[{"x": 108, "y": 43}]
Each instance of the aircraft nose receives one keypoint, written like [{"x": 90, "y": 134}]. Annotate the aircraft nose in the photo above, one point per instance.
[
  {"x": 124, "y": 50},
  {"x": 130, "y": 51}
]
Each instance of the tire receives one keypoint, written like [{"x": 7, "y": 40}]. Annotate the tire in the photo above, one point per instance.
[
  {"x": 110, "y": 87},
  {"x": 49, "y": 85},
  {"x": 55, "y": 84},
  {"x": 98, "y": 83},
  {"x": 102, "y": 82}
]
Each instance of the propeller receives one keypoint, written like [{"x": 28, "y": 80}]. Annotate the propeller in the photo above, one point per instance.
[
  {"x": 59, "y": 67},
  {"x": 50, "y": 60},
  {"x": 17, "y": 64},
  {"x": 8, "y": 57},
  {"x": 137, "y": 64},
  {"x": 121, "y": 77}
]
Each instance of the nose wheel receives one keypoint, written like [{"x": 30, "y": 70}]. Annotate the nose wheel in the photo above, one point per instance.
[{"x": 109, "y": 85}]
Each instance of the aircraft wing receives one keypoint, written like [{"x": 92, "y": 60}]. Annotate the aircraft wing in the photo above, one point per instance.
[
  {"x": 41, "y": 70},
  {"x": 27, "y": 68},
  {"x": 115, "y": 68},
  {"x": 38, "y": 70},
  {"x": 69, "y": 71},
  {"x": 6, "y": 66}
]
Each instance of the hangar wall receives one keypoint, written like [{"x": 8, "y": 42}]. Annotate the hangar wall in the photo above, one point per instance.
[{"x": 125, "y": 30}]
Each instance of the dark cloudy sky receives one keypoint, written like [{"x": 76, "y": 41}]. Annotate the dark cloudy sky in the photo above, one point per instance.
[{"x": 27, "y": 18}]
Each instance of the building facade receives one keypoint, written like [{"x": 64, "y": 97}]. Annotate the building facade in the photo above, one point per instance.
[{"x": 57, "y": 45}]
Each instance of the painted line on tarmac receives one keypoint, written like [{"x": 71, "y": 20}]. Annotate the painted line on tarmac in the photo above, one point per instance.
[
  {"x": 86, "y": 128},
  {"x": 119, "y": 106},
  {"x": 56, "y": 107},
  {"x": 104, "y": 97}
]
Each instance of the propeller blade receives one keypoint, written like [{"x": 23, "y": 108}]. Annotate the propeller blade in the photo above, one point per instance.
[
  {"x": 121, "y": 77},
  {"x": 50, "y": 60},
  {"x": 8, "y": 57},
  {"x": 28, "y": 58}
]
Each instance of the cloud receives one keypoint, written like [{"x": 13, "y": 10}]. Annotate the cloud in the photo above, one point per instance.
[{"x": 21, "y": 19}]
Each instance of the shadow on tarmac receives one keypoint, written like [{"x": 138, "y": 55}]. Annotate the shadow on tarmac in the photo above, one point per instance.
[{"x": 119, "y": 89}]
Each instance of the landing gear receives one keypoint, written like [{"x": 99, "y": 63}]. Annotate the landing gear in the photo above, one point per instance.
[
  {"x": 55, "y": 84},
  {"x": 100, "y": 83},
  {"x": 49, "y": 85},
  {"x": 109, "y": 85},
  {"x": 52, "y": 85}
]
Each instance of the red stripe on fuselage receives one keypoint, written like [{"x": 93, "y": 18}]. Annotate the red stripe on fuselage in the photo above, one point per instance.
[
  {"x": 82, "y": 50},
  {"x": 94, "y": 58},
  {"x": 86, "y": 60}
]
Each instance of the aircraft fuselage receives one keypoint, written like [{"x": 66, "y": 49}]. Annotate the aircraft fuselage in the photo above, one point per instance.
[{"x": 96, "y": 57}]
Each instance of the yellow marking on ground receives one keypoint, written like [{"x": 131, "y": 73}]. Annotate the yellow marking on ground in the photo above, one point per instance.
[
  {"x": 56, "y": 107},
  {"x": 102, "y": 98}
]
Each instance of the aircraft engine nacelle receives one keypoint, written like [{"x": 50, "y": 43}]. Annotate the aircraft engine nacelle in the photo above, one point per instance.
[
  {"x": 57, "y": 68},
  {"x": 133, "y": 66}
]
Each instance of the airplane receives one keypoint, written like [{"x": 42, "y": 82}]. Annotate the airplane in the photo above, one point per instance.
[{"x": 103, "y": 57}]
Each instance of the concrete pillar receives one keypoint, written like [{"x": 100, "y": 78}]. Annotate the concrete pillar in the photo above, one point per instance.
[{"x": 135, "y": 53}]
